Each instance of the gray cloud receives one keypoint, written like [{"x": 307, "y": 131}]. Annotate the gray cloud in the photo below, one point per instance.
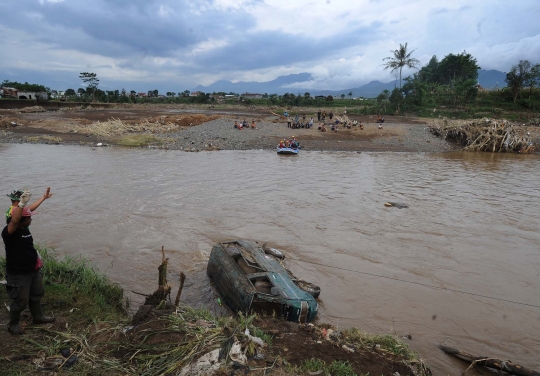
[{"x": 168, "y": 43}]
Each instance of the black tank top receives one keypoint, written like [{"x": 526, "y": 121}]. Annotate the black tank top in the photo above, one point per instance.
[{"x": 21, "y": 256}]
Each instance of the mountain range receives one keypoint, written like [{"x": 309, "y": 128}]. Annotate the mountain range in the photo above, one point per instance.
[{"x": 489, "y": 79}]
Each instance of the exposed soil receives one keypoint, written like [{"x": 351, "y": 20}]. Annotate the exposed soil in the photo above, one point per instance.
[
  {"x": 73, "y": 126},
  {"x": 292, "y": 343}
]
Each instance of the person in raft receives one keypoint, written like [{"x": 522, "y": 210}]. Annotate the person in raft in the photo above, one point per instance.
[
  {"x": 15, "y": 198},
  {"x": 23, "y": 266}
]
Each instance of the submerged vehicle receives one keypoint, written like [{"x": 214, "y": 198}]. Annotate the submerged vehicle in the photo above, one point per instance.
[{"x": 250, "y": 278}]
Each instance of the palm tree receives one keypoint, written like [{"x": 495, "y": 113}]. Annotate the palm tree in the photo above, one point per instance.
[{"x": 401, "y": 59}]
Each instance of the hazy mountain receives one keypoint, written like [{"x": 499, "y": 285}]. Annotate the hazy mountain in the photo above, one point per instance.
[
  {"x": 489, "y": 79},
  {"x": 369, "y": 90},
  {"x": 269, "y": 87}
]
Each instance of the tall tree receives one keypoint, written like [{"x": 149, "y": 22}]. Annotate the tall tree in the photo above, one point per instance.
[
  {"x": 518, "y": 75},
  {"x": 533, "y": 78},
  {"x": 457, "y": 68},
  {"x": 401, "y": 58},
  {"x": 91, "y": 81}
]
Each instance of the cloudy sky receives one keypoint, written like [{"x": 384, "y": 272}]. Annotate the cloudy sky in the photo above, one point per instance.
[{"x": 174, "y": 45}]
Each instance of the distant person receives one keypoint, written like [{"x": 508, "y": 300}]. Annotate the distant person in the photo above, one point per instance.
[
  {"x": 331, "y": 115},
  {"x": 319, "y": 115},
  {"x": 235, "y": 124},
  {"x": 289, "y": 122},
  {"x": 253, "y": 126},
  {"x": 380, "y": 126},
  {"x": 324, "y": 115}
]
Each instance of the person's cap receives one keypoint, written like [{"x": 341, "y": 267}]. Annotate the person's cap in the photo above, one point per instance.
[{"x": 15, "y": 195}]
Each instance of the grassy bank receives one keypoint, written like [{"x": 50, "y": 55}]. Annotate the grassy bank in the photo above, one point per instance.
[{"x": 92, "y": 322}]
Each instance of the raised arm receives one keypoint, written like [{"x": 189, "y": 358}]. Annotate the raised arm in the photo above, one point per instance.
[{"x": 36, "y": 204}]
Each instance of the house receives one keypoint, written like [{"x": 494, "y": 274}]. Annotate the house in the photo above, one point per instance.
[
  {"x": 8, "y": 92},
  {"x": 252, "y": 96},
  {"x": 34, "y": 95},
  {"x": 479, "y": 87},
  {"x": 142, "y": 94},
  {"x": 196, "y": 93}
]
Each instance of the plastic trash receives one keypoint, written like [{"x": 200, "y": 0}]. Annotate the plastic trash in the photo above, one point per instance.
[
  {"x": 236, "y": 354},
  {"x": 256, "y": 340}
]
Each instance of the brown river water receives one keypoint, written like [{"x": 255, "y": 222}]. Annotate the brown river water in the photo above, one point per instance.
[{"x": 472, "y": 226}]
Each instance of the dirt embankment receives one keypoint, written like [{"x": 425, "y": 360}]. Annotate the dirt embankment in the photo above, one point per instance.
[{"x": 204, "y": 128}]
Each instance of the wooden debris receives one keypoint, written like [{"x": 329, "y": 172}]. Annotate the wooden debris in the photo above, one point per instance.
[
  {"x": 501, "y": 365},
  {"x": 182, "y": 279},
  {"x": 484, "y": 135},
  {"x": 164, "y": 289}
]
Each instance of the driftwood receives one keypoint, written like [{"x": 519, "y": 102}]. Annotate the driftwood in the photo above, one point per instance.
[
  {"x": 281, "y": 116},
  {"x": 484, "y": 135},
  {"x": 501, "y": 365},
  {"x": 164, "y": 290},
  {"x": 182, "y": 279}
]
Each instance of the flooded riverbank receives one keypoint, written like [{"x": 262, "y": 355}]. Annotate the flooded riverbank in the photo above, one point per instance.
[{"x": 472, "y": 225}]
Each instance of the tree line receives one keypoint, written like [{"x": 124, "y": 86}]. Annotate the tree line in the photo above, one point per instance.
[{"x": 452, "y": 82}]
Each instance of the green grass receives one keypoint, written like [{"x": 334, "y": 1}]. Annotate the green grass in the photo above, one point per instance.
[
  {"x": 336, "y": 368},
  {"x": 340, "y": 368},
  {"x": 386, "y": 342},
  {"x": 313, "y": 365},
  {"x": 138, "y": 140}
]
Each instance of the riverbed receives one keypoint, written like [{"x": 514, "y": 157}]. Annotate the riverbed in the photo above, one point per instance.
[{"x": 460, "y": 266}]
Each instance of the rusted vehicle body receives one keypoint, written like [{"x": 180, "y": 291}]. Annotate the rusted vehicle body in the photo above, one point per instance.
[{"x": 250, "y": 279}]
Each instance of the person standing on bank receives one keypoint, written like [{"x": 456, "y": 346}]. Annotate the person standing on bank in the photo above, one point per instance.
[{"x": 23, "y": 267}]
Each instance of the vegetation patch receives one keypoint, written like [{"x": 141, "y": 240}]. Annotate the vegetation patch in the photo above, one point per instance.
[
  {"x": 137, "y": 140},
  {"x": 45, "y": 138}
]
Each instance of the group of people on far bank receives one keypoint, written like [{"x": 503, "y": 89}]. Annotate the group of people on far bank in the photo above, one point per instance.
[{"x": 244, "y": 124}]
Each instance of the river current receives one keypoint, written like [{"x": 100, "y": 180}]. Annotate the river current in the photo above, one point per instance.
[{"x": 460, "y": 266}]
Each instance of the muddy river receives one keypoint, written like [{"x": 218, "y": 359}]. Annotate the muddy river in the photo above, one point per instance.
[{"x": 460, "y": 266}]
